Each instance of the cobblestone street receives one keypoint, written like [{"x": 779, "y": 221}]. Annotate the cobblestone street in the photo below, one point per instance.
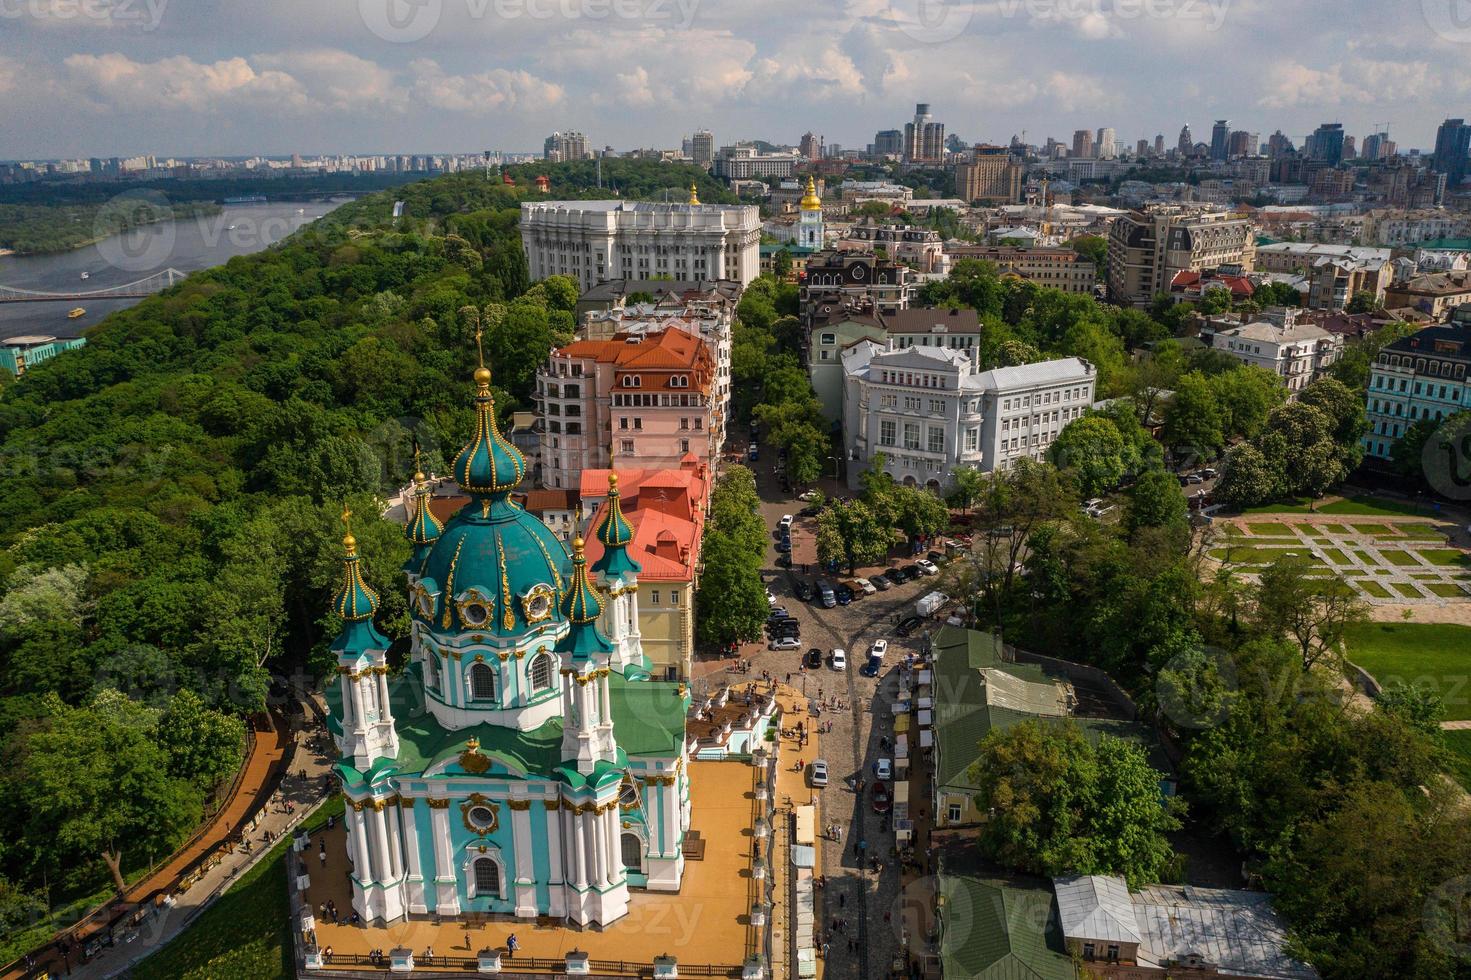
[{"x": 862, "y": 902}]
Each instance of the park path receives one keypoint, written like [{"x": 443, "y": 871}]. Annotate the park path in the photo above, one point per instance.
[{"x": 264, "y": 788}]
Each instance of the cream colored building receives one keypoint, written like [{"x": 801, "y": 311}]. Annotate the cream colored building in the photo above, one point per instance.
[{"x": 1147, "y": 248}]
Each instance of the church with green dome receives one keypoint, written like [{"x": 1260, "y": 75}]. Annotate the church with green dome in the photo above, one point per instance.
[{"x": 524, "y": 763}]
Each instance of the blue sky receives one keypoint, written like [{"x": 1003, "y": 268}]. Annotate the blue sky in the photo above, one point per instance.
[{"x": 198, "y": 77}]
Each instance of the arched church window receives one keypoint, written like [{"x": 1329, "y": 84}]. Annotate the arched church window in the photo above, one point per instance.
[
  {"x": 431, "y": 669},
  {"x": 487, "y": 877},
  {"x": 633, "y": 852},
  {"x": 482, "y": 683},
  {"x": 541, "y": 672},
  {"x": 628, "y": 793}
]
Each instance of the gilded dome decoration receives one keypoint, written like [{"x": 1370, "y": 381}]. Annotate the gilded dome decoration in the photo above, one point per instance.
[
  {"x": 694, "y": 195},
  {"x": 616, "y": 534},
  {"x": 810, "y": 200},
  {"x": 581, "y": 607},
  {"x": 489, "y": 464},
  {"x": 423, "y": 527},
  {"x": 354, "y": 601}
]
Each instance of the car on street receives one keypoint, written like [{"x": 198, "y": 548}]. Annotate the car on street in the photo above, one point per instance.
[
  {"x": 872, "y": 668},
  {"x": 801, "y": 589},
  {"x": 1194, "y": 478},
  {"x": 843, "y": 594},
  {"x": 817, "y": 773},
  {"x": 807, "y": 496},
  {"x": 810, "y": 511},
  {"x": 825, "y": 594},
  {"x": 928, "y": 567},
  {"x": 785, "y": 643},
  {"x": 908, "y": 627},
  {"x": 911, "y": 572},
  {"x": 813, "y": 659},
  {"x": 880, "y": 582},
  {"x": 881, "y": 799},
  {"x": 883, "y": 769},
  {"x": 879, "y": 649},
  {"x": 784, "y": 545},
  {"x": 785, "y": 631},
  {"x": 839, "y": 659},
  {"x": 1209, "y": 473},
  {"x": 786, "y": 521},
  {"x": 778, "y": 613},
  {"x": 937, "y": 557},
  {"x": 865, "y": 586},
  {"x": 753, "y": 454},
  {"x": 898, "y": 575},
  {"x": 770, "y": 597}
]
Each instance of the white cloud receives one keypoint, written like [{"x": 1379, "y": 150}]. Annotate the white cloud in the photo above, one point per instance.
[
  {"x": 496, "y": 90},
  {"x": 335, "y": 79},
  {"x": 117, "y": 81}
]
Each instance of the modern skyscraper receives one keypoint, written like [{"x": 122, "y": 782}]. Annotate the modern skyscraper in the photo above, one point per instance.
[
  {"x": 1106, "y": 147},
  {"x": 1082, "y": 143},
  {"x": 888, "y": 142},
  {"x": 1159, "y": 144},
  {"x": 1376, "y": 146},
  {"x": 1452, "y": 143},
  {"x": 1327, "y": 145},
  {"x": 1350, "y": 148},
  {"x": 1279, "y": 145},
  {"x": 1221, "y": 139},
  {"x": 924, "y": 139},
  {"x": 702, "y": 148},
  {"x": 811, "y": 146},
  {"x": 1186, "y": 144}
]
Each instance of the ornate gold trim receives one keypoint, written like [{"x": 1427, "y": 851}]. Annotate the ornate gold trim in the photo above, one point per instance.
[
  {"x": 471, "y": 760},
  {"x": 519, "y": 806},
  {"x": 536, "y": 593},
  {"x": 449, "y": 585},
  {"x": 479, "y": 800},
  {"x": 552, "y": 805},
  {"x": 437, "y": 804},
  {"x": 508, "y": 615}
]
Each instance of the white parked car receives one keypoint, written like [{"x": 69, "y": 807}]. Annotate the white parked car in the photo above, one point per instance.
[
  {"x": 817, "y": 772},
  {"x": 807, "y": 496},
  {"x": 770, "y": 598},
  {"x": 883, "y": 769},
  {"x": 928, "y": 567},
  {"x": 785, "y": 643},
  {"x": 879, "y": 648},
  {"x": 786, "y": 520},
  {"x": 868, "y": 587},
  {"x": 839, "y": 660}
]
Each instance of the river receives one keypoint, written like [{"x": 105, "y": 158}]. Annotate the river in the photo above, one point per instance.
[{"x": 188, "y": 245}]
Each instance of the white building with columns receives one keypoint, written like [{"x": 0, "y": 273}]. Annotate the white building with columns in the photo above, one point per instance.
[
  {"x": 929, "y": 411},
  {"x": 523, "y": 764},
  {"x": 596, "y": 240}
]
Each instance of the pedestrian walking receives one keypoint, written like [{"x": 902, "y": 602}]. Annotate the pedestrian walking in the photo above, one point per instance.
[
  {"x": 467, "y": 940},
  {"x": 322, "y": 854},
  {"x": 842, "y": 899},
  {"x": 512, "y": 944}
]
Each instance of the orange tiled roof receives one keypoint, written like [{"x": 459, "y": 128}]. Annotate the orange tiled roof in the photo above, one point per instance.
[{"x": 666, "y": 510}]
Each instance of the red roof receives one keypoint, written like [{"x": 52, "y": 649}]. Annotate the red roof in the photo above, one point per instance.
[
  {"x": 666, "y": 511},
  {"x": 671, "y": 350}
]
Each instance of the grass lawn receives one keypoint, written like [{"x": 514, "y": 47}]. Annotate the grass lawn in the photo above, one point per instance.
[
  {"x": 1269, "y": 530},
  {"x": 1447, "y": 590},
  {"x": 1407, "y": 590},
  {"x": 1371, "y": 528},
  {"x": 1243, "y": 555},
  {"x": 1298, "y": 505},
  {"x": 1375, "y": 589},
  {"x": 1422, "y": 532},
  {"x": 1401, "y": 558},
  {"x": 1369, "y": 507},
  {"x": 1445, "y": 556},
  {"x": 1363, "y": 556},
  {"x": 1432, "y": 655},
  {"x": 1458, "y": 743},
  {"x": 1335, "y": 556},
  {"x": 247, "y": 931}
]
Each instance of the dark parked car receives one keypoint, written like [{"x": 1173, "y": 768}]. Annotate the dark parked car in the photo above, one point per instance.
[
  {"x": 880, "y": 582},
  {"x": 911, "y": 572},
  {"x": 802, "y": 589},
  {"x": 909, "y": 625},
  {"x": 937, "y": 557},
  {"x": 784, "y": 545},
  {"x": 784, "y": 560},
  {"x": 813, "y": 659},
  {"x": 843, "y": 594},
  {"x": 778, "y": 613}
]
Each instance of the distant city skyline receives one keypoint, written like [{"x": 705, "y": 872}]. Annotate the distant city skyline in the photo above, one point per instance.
[{"x": 429, "y": 76}]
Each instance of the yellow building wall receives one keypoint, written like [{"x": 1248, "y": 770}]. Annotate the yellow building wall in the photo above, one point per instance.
[{"x": 667, "y": 627}]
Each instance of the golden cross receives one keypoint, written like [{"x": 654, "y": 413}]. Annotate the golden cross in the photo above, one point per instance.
[
  {"x": 479, "y": 350},
  {"x": 346, "y": 517}
]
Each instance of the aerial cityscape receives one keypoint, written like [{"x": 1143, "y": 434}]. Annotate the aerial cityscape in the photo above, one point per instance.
[{"x": 642, "y": 489}]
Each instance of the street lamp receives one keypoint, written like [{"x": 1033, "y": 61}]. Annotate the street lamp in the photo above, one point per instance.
[{"x": 835, "y": 461}]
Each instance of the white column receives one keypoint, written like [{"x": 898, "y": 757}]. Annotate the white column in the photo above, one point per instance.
[
  {"x": 395, "y": 842},
  {"x": 410, "y": 838},
  {"x": 671, "y": 821},
  {"x": 362, "y": 862},
  {"x": 607, "y": 703},
  {"x": 554, "y": 845},
  {"x": 349, "y": 711},
  {"x": 383, "y": 869},
  {"x": 600, "y": 859},
  {"x": 443, "y": 857},
  {"x": 521, "y": 839},
  {"x": 614, "y": 847},
  {"x": 382, "y": 695},
  {"x": 575, "y": 828}
]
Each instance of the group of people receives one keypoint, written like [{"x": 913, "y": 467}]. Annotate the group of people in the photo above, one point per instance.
[{"x": 328, "y": 910}]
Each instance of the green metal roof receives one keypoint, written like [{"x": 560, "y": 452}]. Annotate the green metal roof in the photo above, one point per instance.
[
  {"x": 648, "y": 716},
  {"x": 1000, "y": 930}
]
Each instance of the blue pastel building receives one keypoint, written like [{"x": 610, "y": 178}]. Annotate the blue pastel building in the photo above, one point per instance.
[{"x": 523, "y": 763}]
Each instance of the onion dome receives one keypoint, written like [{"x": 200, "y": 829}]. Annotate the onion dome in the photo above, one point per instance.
[
  {"x": 694, "y": 195},
  {"x": 581, "y": 607},
  {"x": 354, "y": 602},
  {"x": 810, "y": 200},
  {"x": 616, "y": 534},
  {"x": 423, "y": 527},
  {"x": 489, "y": 465}
]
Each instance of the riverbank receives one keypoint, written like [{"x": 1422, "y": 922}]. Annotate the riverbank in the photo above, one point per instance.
[{"x": 41, "y": 229}]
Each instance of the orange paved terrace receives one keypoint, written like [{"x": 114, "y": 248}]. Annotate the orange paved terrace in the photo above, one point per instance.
[{"x": 705, "y": 922}]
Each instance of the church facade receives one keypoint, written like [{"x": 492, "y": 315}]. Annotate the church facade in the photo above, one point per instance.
[{"x": 524, "y": 763}]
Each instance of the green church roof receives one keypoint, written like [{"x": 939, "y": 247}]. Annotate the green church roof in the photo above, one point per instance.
[
  {"x": 995, "y": 929},
  {"x": 489, "y": 464}
]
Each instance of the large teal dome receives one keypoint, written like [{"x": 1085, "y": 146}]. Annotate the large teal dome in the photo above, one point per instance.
[{"x": 496, "y": 569}]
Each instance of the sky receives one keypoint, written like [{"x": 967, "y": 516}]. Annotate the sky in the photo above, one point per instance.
[{"x": 239, "y": 77}]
